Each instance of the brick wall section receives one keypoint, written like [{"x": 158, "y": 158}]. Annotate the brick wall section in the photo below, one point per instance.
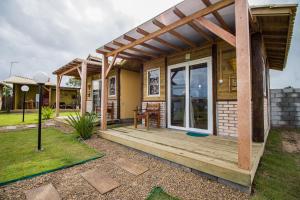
[
  {"x": 163, "y": 113},
  {"x": 285, "y": 108},
  {"x": 227, "y": 118}
]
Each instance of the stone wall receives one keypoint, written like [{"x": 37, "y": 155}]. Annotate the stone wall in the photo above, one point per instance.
[
  {"x": 227, "y": 118},
  {"x": 285, "y": 108}
]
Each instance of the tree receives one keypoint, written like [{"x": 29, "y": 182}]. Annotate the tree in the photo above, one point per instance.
[
  {"x": 7, "y": 92},
  {"x": 73, "y": 82}
]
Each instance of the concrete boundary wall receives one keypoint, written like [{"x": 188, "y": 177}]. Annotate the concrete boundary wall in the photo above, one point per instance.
[{"x": 285, "y": 108}]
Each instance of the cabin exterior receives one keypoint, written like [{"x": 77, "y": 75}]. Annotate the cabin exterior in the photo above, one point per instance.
[
  {"x": 122, "y": 87},
  {"x": 207, "y": 64},
  {"x": 68, "y": 100}
]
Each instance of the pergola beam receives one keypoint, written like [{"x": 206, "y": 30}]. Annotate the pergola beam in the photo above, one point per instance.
[
  {"x": 163, "y": 42},
  {"x": 79, "y": 72},
  {"x": 214, "y": 7},
  {"x": 111, "y": 65},
  {"x": 181, "y": 15},
  {"x": 217, "y": 16},
  {"x": 174, "y": 33},
  {"x": 228, "y": 37}
]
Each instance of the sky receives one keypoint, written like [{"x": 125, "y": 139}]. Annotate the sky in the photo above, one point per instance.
[{"x": 42, "y": 35}]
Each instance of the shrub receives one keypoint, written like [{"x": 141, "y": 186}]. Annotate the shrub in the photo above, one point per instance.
[
  {"x": 84, "y": 125},
  {"x": 47, "y": 112}
]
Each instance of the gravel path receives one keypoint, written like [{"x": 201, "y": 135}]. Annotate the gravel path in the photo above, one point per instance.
[{"x": 175, "y": 181}]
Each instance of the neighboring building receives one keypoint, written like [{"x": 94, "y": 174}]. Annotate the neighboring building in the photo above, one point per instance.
[
  {"x": 207, "y": 64},
  {"x": 124, "y": 94},
  {"x": 69, "y": 97}
]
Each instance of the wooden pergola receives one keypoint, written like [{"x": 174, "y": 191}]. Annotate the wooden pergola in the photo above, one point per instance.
[
  {"x": 197, "y": 21},
  {"x": 79, "y": 68}
]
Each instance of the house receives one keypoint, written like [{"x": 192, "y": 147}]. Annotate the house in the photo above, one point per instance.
[
  {"x": 124, "y": 94},
  {"x": 207, "y": 64},
  {"x": 68, "y": 99}
]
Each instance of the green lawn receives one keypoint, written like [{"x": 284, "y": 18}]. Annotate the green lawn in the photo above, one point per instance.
[
  {"x": 8, "y": 119},
  {"x": 158, "y": 193},
  {"x": 278, "y": 176},
  {"x": 18, "y": 155}
]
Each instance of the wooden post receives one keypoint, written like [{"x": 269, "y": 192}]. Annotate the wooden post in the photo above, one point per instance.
[
  {"x": 83, "y": 88},
  {"x": 214, "y": 86},
  {"x": 118, "y": 72},
  {"x": 244, "y": 115},
  {"x": 50, "y": 94},
  {"x": 257, "y": 87},
  {"x": 58, "y": 81},
  {"x": 104, "y": 94}
]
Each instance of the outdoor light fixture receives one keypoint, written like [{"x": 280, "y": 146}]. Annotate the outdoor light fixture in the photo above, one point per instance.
[
  {"x": 24, "y": 89},
  {"x": 40, "y": 78}
]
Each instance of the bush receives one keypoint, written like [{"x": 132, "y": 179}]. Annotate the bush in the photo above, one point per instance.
[
  {"x": 47, "y": 112},
  {"x": 84, "y": 125}
]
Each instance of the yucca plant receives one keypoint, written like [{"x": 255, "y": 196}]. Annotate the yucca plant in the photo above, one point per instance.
[{"x": 84, "y": 125}]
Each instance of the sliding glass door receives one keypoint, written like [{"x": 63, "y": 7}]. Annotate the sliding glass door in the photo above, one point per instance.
[{"x": 189, "y": 96}]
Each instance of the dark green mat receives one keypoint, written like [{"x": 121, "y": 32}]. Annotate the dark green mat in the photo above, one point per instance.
[{"x": 195, "y": 134}]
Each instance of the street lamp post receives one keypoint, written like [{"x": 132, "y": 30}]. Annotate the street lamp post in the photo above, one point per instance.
[
  {"x": 40, "y": 78},
  {"x": 24, "y": 89}
]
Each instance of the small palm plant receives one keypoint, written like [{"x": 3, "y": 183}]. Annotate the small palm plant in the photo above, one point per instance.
[
  {"x": 84, "y": 125},
  {"x": 47, "y": 112}
]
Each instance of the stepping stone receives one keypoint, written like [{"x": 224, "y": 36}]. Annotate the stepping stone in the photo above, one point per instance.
[
  {"x": 31, "y": 126},
  {"x": 131, "y": 167},
  {"x": 46, "y": 192},
  {"x": 11, "y": 127},
  {"x": 49, "y": 124},
  {"x": 99, "y": 180}
]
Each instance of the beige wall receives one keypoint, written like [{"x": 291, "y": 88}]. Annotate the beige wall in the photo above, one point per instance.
[{"x": 130, "y": 92}]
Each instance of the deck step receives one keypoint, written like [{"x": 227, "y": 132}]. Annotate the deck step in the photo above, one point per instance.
[{"x": 216, "y": 167}]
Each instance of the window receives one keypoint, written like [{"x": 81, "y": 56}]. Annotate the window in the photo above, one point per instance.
[
  {"x": 153, "y": 82},
  {"x": 112, "y": 86}
]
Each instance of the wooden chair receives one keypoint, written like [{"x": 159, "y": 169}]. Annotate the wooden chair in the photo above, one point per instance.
[
  {"x": 152, "y": 111},
  {"x": 110, "y": 109}
]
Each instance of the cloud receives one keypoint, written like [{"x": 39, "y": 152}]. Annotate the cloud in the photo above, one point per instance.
[{"x": 44, "y": 35}]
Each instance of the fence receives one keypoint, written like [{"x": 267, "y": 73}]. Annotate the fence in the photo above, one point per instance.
[{"x": 285, "y": 108}]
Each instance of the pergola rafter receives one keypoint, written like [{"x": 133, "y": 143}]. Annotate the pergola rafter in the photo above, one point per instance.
[
  {"x": 131, "y": 39},
  {"x": 218, "y": 16},
  {"x": 146, "y": 53},
  {"x": 193, "y": 25},
  {"x": 163, "y": 42},
  {"x": 141, "y": 41},
  {"x": 175, "y": 33}
]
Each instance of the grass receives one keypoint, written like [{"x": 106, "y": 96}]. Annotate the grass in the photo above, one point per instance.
[
  {"x": 158, "y": 193},
  {"x": 278, "y": 176},
  {"x": 9, "y": 119},
  {"x": 19, "y": 158}
]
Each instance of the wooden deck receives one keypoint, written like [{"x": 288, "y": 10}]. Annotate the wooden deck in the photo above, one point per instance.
[{"x": 214, "y": 155}]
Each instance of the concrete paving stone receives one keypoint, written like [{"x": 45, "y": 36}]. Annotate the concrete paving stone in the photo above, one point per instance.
[
  {"x": 99, "y": 180},
  {"x": 11, "y": 127},
  {"x": 31, "y": 126},
  {"x": 131, "y": 167},
  {"x": 46, "y": 192}
]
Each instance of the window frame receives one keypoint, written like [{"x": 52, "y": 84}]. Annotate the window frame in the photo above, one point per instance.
[
  {"x": 148, "y": 85},
  {"x": 112, "y": 95}
]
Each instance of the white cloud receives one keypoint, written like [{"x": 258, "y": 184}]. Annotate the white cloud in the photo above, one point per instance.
[{"x": 44, "y": 35}]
